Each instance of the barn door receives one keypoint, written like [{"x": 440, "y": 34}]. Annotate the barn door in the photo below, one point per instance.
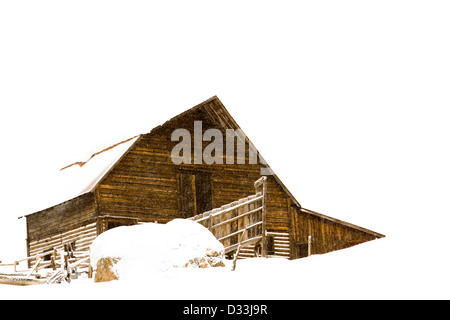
[{"x": 194, "y": 193}]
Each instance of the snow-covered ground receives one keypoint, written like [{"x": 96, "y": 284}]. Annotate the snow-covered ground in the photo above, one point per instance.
[{"x": 360, "y": 272}]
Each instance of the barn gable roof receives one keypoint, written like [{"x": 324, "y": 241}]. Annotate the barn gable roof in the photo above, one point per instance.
[
  {"x": 216, "y": 112},
  {"x": 82, "y": 177}
]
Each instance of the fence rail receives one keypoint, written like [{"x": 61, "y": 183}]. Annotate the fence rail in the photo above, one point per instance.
[
  {"x": 48, "y": 267},
  {"x": 241, "y": 222}
]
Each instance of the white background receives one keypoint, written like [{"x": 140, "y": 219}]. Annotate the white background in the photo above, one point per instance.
[{"x": 348, "y": 101}]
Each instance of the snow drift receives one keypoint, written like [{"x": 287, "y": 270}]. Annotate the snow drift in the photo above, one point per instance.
[{"x": 135, "y": 251}]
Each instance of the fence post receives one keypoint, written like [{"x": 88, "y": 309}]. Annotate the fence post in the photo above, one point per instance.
[
  {"x": 238, "y": 249},
  {"x": 261, "y": 186},
  {"x": 309, "y": 246},
  {"x": 210, "y": 222},
  {"x": 90, "y": 266},
  {"x": 53, "y": 259}
]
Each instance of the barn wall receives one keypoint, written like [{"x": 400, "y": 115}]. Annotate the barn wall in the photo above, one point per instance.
[
  {"x": 145, "y": 183},
  {"x": 277, "y": 207},
  {"x": 326, "y": 235},
  {"x": 60, "y": 224},
  {"x": 142, "y": 185},
  {"x": 82, "y": 237},
  {"x": 61, "y": 218}
]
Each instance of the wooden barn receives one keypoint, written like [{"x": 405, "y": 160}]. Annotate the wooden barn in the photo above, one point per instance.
[{"x": 153, "y": 178}]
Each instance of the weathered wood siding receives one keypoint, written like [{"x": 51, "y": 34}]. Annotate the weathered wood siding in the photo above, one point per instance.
[
  {"x": 326, "y": 234},
  {"x": 66, "y": 222},
  {"x": 277, "y": 207},
  {"x": 82, "y": 237},
  {"x": 145, "y": 183}
]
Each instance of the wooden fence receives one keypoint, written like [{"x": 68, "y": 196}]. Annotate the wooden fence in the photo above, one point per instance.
[
  {"x": 240, "y": 223},
  {"x": 49, "y": 267}
]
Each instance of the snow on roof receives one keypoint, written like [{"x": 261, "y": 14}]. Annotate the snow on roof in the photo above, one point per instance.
[
  {"x": 81, "y": 177},
  {"x": 85, "y": 175}
]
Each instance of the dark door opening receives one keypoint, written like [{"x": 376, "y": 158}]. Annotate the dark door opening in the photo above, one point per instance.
[
  {"x": 195, "y": 193},
  {"x": 107, "y": 222}
]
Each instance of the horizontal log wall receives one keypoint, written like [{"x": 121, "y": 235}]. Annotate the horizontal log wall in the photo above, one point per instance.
[
  {"x": 326, "y": 235},
  {"x": 82, "y": 236},
  {"x": 61, "y": 218},
  {"x": 145, "y": 183},
  {"x": 277, "y": 207}
]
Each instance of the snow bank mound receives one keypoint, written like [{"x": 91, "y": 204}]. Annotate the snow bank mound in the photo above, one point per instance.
[{"x": 134, "y": 251}]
